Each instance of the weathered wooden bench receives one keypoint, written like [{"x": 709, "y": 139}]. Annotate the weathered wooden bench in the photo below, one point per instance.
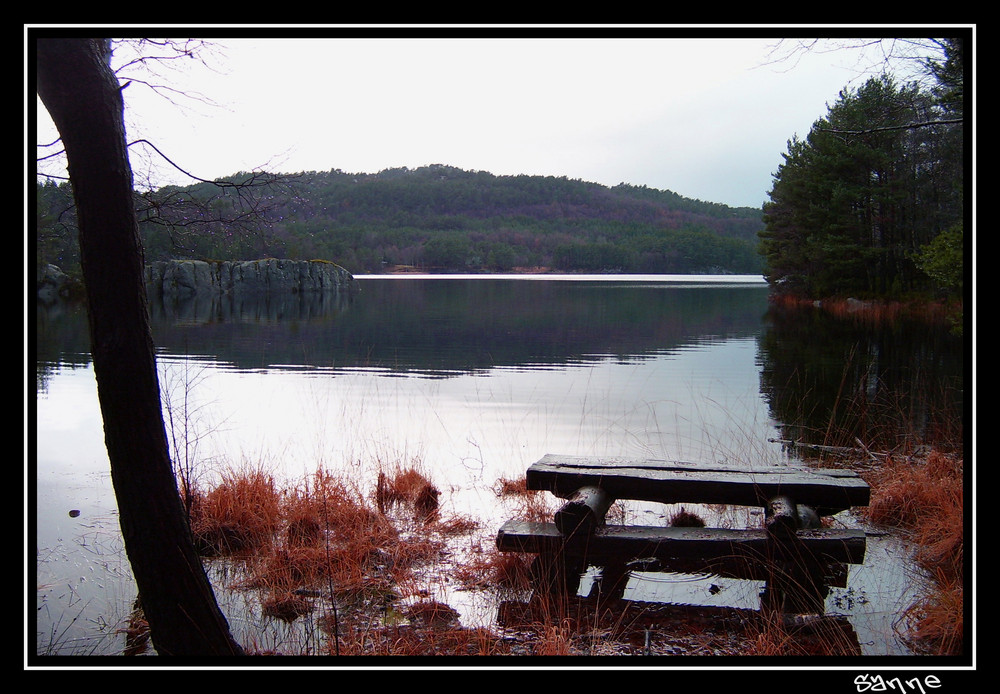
[{"x": 797, "y": 559}]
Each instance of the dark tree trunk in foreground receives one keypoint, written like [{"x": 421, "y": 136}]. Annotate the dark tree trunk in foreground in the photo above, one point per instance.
[{"x": 81, "y": 93}]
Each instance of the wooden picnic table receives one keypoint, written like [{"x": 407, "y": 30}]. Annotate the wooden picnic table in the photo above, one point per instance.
[{"x": 791, "y": 542}]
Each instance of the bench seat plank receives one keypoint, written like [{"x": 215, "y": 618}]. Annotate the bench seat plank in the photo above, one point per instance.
[
  {"x": 828, "y": 491},
  {"x": 622, "y": 543}
]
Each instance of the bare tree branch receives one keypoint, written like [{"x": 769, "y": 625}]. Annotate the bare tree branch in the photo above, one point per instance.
[
  {"x": 147, "y": 68},
  {"x": 907, "y": 126},
  {"x": 872, "y": 55},
  {"x": 242, "y": 203}
]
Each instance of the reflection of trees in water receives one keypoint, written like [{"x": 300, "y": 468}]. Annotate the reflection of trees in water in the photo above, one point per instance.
[
  {"x": 460, "y": 326},
  {"x": 61, "y": 338},
  {"x": 836, "y": 381}
]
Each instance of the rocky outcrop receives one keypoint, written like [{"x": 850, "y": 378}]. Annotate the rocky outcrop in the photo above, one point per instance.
[
  {"x": 186, "y": 278},
  {"x": 51, "y": 283}
]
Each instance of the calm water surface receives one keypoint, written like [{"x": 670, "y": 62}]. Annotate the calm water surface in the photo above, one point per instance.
[{"x": 470, "y": 379}]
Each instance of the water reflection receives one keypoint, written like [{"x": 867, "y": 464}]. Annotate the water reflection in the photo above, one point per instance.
[
  {"x": 881, "y": 383},
  {"x": 201, "y": 309},
  {"x": 437, "y": 328},
  {"x": 478, "y": 379}
]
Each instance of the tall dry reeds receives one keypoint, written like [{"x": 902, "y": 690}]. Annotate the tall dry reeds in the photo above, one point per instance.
[
  {"x": 241, "y": 514},
  {"x": 820, "y": 636},
  {"x": 346, "y": 560},
  {"x": 407, "y": 487},
  {"x": 326, "y": 544},
  {"x": 925, "y": 496},
  {"x": 528, "y": 504}
]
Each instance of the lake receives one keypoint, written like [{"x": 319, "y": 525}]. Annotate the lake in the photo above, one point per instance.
[{"x": 471, "y": 379}]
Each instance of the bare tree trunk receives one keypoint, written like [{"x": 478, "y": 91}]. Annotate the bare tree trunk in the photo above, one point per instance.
[{"x": 81, "y": 93}]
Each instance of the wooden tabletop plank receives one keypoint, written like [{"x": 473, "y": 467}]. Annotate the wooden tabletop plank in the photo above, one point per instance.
[
  {"x": 828, "y": 491},
  {"x": 571, "y": 461}
]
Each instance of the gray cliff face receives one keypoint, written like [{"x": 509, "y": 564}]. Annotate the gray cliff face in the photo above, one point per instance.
[
  {"x": 185, "y": 278},
  {"x": 51, "y": 284}
]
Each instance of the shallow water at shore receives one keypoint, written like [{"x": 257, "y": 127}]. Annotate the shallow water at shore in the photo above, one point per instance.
[{"x": 430, "y": 372}]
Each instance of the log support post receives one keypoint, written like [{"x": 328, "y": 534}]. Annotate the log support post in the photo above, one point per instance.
[
  {"x": 583, "y": 511},
  {"x": 792, "y": 588},
  {"x": 781, "y": 517},
  {"x": 795, "y": 582}
]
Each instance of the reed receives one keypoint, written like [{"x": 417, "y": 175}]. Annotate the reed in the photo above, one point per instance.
[
  {"x": 925, "y": 497},
  {"x": 325, "y": 544},
  {"x": 818, "y": 636},
  {"x": 529, "y": 504},
  {"x": 936, "y": 622},
  {"x": 407, "y": 487},
  {"x": 503, "y": 572},
  {"x": 239, "y": 515},
  {"x": 682, "y": 518}
]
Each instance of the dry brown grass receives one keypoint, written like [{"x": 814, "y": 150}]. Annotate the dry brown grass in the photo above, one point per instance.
[
  {"x": 530, "y": 504},
  {"x": 683, "y": 518},
  {"x": 286, "y": 606},
  {"x": 509, "y": 487},
  {"x": 406, "y": 640},
  {"x": 926, "y": 497},
  {"x": 936, "y": 622},
  {"x": 493, "y": 568},
  {"x": 822, "y": 636},
  {"x": 241, "y": 514},
  {"x": 407, "y": 487},
  {"x": 325, "y": 540}
]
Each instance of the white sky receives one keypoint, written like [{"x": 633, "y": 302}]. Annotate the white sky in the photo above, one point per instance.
[{"x": 704, "y": 117}]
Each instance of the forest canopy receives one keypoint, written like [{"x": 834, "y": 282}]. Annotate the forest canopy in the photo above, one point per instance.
[
  {"x": 436, "y": 218},
  {"x": 870, "y": 203}
]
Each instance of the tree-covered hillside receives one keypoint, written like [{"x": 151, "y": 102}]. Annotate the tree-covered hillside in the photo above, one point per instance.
[{"x": 435, "y": 218}]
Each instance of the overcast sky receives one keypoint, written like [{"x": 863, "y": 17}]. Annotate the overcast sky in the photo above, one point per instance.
[{"x": 707, "y": 118}]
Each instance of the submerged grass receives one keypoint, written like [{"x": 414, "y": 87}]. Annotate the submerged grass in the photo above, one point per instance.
[
  {"x": 356, "y": 564},
  {"x": 351, "y": 568},
  {"x": 326, "y": 546},
  {"x": 240, "y": 514}
]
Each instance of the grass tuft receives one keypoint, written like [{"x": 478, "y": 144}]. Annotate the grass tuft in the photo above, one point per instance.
[
  {"x": 936, "y": 622},
  {"x": 407, "y": 487},
  {"x": 686, "y": 519},
  {"x": 820, "y": 636},
  {"x": 238, "y": 516}
]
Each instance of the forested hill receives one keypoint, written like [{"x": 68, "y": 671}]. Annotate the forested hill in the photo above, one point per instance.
[{"x": 440, "y": 218}]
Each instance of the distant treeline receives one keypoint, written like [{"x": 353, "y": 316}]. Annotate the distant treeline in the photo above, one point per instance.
[{"x": 434, "y": 218}]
